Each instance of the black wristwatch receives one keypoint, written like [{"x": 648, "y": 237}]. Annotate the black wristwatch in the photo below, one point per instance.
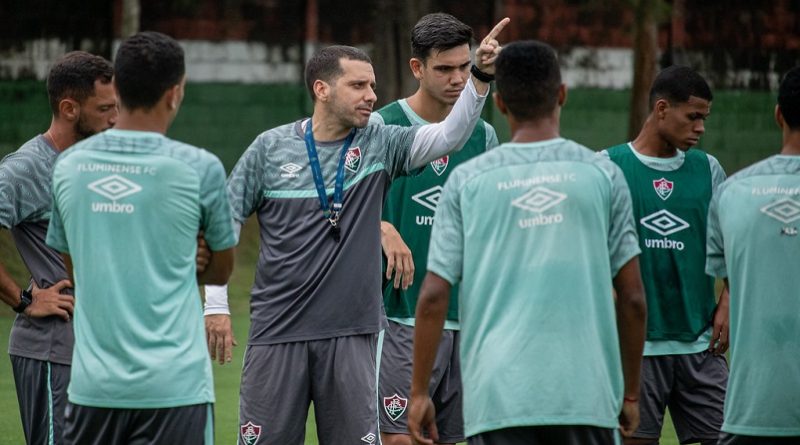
[
  {"x": 480, "y": 75},
  {"x": 25, "y": 300}
]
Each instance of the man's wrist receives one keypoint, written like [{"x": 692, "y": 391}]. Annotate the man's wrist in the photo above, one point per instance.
[
  {"x": 480, "y": 75},
  {"x": 25, "y": 300}
]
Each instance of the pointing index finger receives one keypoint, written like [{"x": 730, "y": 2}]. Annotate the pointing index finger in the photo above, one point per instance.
[{"x": 496, "y": 30}]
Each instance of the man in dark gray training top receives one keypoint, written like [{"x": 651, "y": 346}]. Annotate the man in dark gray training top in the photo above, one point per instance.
[
  {"x": 83, "y": 103},
  {"x": 316, "y": 304}
]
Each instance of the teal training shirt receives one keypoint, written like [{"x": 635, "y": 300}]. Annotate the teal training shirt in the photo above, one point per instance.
[
  {"x": 410, "y": 206},
  {"x": 753, "y": 240},
  {"x": 534, "y": 234},
  {"x": 671, "y": 209},
  {"x": 127, "y": 207}
]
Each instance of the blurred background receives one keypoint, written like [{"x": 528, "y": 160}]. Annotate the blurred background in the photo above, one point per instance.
[{"x": 245, "y": 62}]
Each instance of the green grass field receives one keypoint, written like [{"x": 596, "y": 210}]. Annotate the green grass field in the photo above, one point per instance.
[{"x": 226, "y": 378}]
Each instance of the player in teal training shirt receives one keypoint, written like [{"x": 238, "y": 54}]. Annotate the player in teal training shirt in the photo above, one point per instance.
[
  {"x": 536, "y": 232},
  {"x": 753, "y": 243},
  {"x": 127, "y": 208}
]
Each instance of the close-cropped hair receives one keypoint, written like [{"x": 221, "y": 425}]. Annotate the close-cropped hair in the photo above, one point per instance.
[
  {"x": 325, "y": 64},
  {"x": 73, "y": 76},
  {"x": 438, "y": 32},
  {"x": 147, "y": 65},
  {"x": 677, "y": 84},
  {"x": 528, "y": 78},
  {"x": 789, "y": 98}
]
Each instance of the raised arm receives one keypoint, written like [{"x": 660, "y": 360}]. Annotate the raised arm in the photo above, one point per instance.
[{"x": 436, "y": 140}]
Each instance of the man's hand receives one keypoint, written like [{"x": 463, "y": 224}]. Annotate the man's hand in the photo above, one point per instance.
[
  {"x": 398, "y": 257},
  {"x": 50, "y": 301},
  {"x": 721, "y": 328},
  {"x": 421, "y": 418},
  {"x": 220, "y": 337},
  {"x": 487, "y": 51},
  {"x": 203, "y": 253},
  {"x": 629, "y": 418}
]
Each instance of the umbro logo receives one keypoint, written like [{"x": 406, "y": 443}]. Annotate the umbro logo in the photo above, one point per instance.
[
  {"x": 429, "y": 198},
  {"x": 664, "y": 223},
  {"x": 369, "y": 438},
  {"x": 114, "y": 187},
  {"x": 785, "y": 210},
  {"x": 290, "y": 170},
  {"x": 539, "y": 199}
]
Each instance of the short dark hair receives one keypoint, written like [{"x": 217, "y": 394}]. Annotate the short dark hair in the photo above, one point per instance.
[
  {"x": 677, "y": 83},
  {"x": 74, "y": 75},
  {"x": 147, "y": 65},
  {"x": 325, "y": 66},
  {"x": 528, "y": 78},
  {"x": 789, "y": 98},
  {"x": 440, "y": 32}
]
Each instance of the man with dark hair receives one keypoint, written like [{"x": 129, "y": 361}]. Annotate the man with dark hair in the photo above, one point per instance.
[
  {"x": 687, "y": 331},
  {"x": 536, "y": 232},
  {"x": 127, "y": 208},
  {"x": 753, "y": 244},
  {"x": 316, "y": 304},
  {"x": 441, "y": 59},
  {"x": 83, "y": 103}
]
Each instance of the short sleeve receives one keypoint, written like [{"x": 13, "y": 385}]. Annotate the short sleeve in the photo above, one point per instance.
[
  {"x": 398, "y": 141},
  {"x": 56, "y": 235},
  {"x": 715, "y": 252},
  {"x": 491, "y": 137},
  {"x": 717, "y": 173},
  {"x": 245, "y": 184},
  {"x": 217, "y": 223},
  {"x": 9, "y": 197},
  {"x": 446, "y": 253},
  {"x": 623, "y": 243}
]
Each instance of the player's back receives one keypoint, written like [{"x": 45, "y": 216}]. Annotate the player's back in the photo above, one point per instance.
[
  {"x": 131, "y": 205},
  {"x": 542, "y": 225},
  {"x": 754, "y": 220}
]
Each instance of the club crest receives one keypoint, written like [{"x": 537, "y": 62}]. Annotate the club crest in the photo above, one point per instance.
[
  {"x": 663, "y": 188},
  {"x": 440, "y": 165},
  {"x": 250, "y": 433},
  {"x": 395, "y": 406},
  {"x": 352, "y": 160}
]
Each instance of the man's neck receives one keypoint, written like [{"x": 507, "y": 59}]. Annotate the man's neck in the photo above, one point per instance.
[
  {"x": 139, "y": 120},
  {"x": 428, "y": 108},
  {"x": 534, "y": 131},
  {"x": 326, "y": 127},
  {"x": 791, "y": 143},
  {"x": 61, "y": 135},
  {"x": 649, "y": 143}
]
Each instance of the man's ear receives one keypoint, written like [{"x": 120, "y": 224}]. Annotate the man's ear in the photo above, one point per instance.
[
  {"x": 661, "y": 107},
  {"x": 69, "y": 109},
  {"x": 498, "y": 102},
  {"x": 417, "y": 67},
  {"x": 562, "y": 95},
  {"x": 322, "y": 90},
  {"x": 779, "y": 117}
]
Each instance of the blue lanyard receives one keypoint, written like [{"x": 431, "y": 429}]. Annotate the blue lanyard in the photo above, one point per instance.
[{"x": 331, "y": 213}]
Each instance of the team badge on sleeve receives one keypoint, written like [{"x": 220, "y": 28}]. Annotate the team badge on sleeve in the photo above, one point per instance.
[
  {"x": 250, "y": 433},
  {"x": 663, "y": 188},
  {"x": 440, "y": 165},
  {"x": 352, "y": 160},
  {"x": 395, "y": 406}
]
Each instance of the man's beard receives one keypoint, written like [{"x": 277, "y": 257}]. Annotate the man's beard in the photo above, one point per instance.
[{"x": 83, "y": 130}]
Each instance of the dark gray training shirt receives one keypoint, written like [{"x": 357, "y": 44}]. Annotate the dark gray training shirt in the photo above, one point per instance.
[{"x": 25, "y": 203}]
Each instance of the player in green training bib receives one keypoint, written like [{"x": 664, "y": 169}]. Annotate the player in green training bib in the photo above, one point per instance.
[
  {"x": 536, "y": 232},
  {"x": 440, "y": 46},
  {"x": 128, "y": 204},
  {"x": 753, "y": 243},
  {"x": 671, "y": 185}
]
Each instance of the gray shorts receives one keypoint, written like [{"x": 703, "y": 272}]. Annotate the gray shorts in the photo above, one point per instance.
[
  {"x": 183, "y": 425},
  {"x": 692, "y": 386},
  {"x": 394, "y": 383},
  {"x": 337, "y": 374},
  {"x": 548, "y": 435},
  {"x": 736, "y": 439},
  {"x": 42, "y": 396}
]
